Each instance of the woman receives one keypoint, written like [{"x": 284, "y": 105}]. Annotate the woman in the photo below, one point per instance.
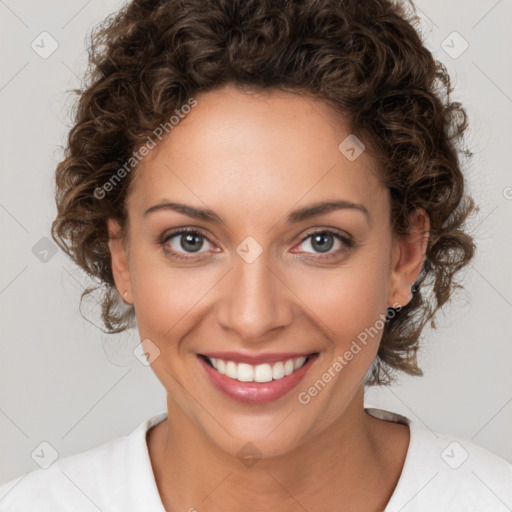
[{"x": 273, "y": 189}]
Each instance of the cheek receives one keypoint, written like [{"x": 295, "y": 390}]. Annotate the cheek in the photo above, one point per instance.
[
  {"x": 158, "y": 292},
  {"x": 168, "y": 299},
  {"x": 348, "y": 302}
]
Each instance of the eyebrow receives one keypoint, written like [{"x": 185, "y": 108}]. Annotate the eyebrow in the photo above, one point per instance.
[{"x": 294, "y": 217}]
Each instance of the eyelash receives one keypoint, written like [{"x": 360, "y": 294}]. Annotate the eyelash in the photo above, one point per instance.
[{"x": 347, "y": 242}]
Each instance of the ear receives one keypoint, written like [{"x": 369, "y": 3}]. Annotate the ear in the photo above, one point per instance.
[
  {"x": 119, "y": 259},
  {"x": 407, "y": 259}
]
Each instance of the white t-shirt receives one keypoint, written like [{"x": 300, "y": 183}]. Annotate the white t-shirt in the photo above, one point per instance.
[{"x": 440, "y": 473}]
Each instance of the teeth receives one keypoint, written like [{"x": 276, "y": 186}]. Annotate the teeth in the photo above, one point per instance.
[
  {"x": 289, "y": 367},
  {"x": 278, "y": 371},
  {"x": 231, "y": 370},
  {"x": 244, "y": 372},
  {"x": 298, "y": 363},
  {"x": 263, "y": 373}
]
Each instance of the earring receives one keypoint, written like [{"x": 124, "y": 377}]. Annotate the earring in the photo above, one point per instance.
[
  {"x": 414, "y": 289},
  {"x": 124, "y": 297}
]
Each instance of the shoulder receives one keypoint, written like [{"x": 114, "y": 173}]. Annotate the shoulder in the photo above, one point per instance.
[
  {"x": 73, "y": 481},
  {"x": 445, "y": 473},
  {"x": 99, "y": 478}
]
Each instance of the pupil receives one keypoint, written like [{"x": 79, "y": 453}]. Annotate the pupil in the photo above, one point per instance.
[
  {"x": 320, "y": 244},
  {"x": 190, "y": 239}
]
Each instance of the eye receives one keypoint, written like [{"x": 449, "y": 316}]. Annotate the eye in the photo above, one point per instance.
[
  {"x": 184, "y": 242},
  {"x": 322, "y": 243}
]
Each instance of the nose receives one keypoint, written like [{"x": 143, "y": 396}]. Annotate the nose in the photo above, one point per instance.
[{"x": 255, "y": 300}]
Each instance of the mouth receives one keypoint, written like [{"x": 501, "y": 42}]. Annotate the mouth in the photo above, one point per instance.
[
  {"x": 266, "y": 372},
  {"x": 249, "y": 380}
]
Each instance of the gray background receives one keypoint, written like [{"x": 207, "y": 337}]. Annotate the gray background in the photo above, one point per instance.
[{"x": 64, "y": 382}]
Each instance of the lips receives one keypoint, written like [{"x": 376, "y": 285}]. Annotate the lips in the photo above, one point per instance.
[{"x": 255, "y": 379}]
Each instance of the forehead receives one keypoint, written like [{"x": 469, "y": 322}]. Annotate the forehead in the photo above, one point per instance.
[{"x": 247, "y": 151}]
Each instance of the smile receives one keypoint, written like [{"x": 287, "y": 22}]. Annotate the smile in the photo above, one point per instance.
[
  {"x": 256, "y": 379},
  {"x": 244, "y": 372}
]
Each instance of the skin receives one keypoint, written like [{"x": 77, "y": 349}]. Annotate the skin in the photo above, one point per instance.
[{"x": 253, "y": 159}]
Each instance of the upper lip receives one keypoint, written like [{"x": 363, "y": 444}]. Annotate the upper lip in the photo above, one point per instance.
[{"x": 255, "y": 359}]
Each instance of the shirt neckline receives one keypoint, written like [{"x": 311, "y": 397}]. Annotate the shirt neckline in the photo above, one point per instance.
[{"x": 149, "y": 480}]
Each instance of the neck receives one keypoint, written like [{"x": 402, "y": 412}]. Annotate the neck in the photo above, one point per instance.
[{"x": 192, "y": 472}]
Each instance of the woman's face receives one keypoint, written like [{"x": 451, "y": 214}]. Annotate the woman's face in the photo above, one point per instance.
[{"x": 259, "y": 276}]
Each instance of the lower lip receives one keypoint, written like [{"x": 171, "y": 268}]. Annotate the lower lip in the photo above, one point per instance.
[{"x": 255, "y": 392}]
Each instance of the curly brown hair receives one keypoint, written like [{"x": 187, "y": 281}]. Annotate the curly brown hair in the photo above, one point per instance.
[{"x": 366, "y": 60}]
